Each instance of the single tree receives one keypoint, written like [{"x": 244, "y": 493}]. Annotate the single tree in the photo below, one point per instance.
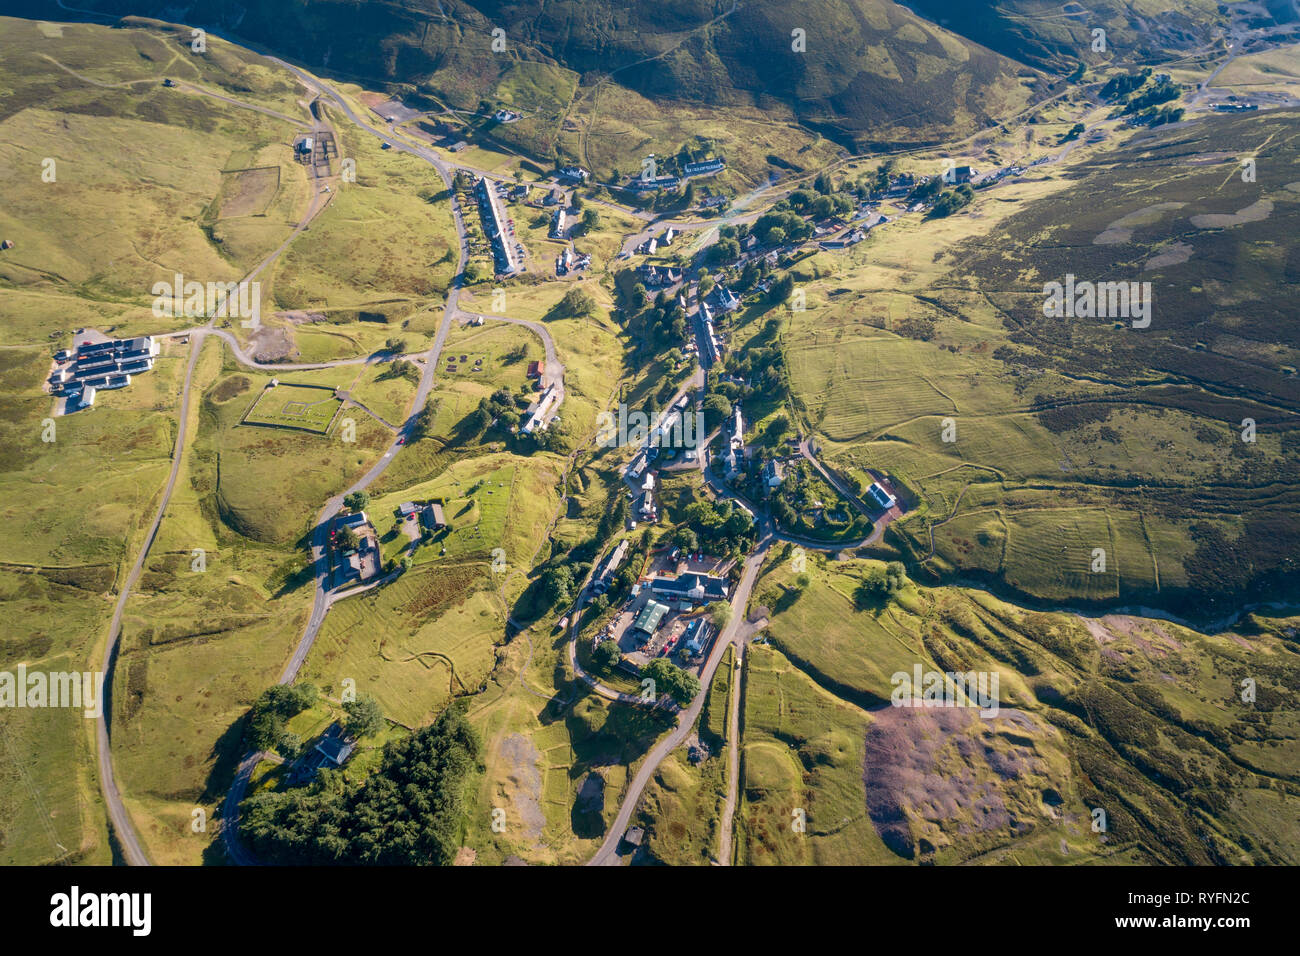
[{"x": 364, "y": 716}]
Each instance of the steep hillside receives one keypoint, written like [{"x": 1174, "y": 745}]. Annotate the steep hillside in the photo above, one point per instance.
[
  {"x": 1054, "y": 36},
  {"x": 870, "y": 71}
]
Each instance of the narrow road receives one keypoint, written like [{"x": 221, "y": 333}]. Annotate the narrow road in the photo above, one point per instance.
[{"x": 127, "y": 838}]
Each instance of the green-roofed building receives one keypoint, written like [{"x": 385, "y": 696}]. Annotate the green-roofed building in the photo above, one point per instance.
[{"x": 650, "y": 616}]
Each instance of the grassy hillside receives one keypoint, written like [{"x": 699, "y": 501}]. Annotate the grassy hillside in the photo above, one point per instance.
[
  {"x": 1073, "y": 435},
  {"x": 1138, "y": 717},
  {"x": 872, "y": 71},
  {"x": 1055, "y": 36}
]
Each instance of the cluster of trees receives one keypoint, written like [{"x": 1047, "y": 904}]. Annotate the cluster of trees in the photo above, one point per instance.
[
  {"x": 589, "y": 222},
  {"x": 401, "y": 368},
  {"x": 1073, "y": 133},
  {"x": 781, "y": 225},
  {"x": 1120, "y": 86},
  {"x": 1162, "y": 115},
  {"x": 1161, "y": 92},
  {"x": 607, "y": 655},
  {"x": 265, "y": 728},
  {"x": 717, "y": 409},
  {"x": 720, "y": 614},
  {"x": 501, "y": 407},
  {"x": 558, "y": 584},
  {"x": 879, "y": 584},
  {"x": 821, "y": 204},
  {"x": 364, "y": 716},
  {"x": 951, "y": 200},
  {"x": 356, "y": 501},
  {"x": 720, "y": 527},
  {"x": 762, "y": 367},
  {"x": 797, "y": 495},
  {"x": 726, "y": 249},
  {"x": 407, "y": 813},
  {"x": 576, "y": 304},
  {"x": 926, "y": 191},
  {"x": 781, "y": 289},
  {"x": 659, "y": 322},
  {"x": 422, "y": 424},
  {"x": 944, "y": 202},
  {"x": 682, "y": 686}
]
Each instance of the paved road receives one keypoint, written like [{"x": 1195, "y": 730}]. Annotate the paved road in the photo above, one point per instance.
[{"x": 607, "y": 854}]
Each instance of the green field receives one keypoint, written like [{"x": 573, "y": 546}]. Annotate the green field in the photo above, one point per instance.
[{"x": 311, "y": 409}]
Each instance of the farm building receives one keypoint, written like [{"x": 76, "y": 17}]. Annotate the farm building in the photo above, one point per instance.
[
  {"x": 648, "y": 620},
  {"x": 432, "y": 517},
  {"x": 606, "y": 573}
]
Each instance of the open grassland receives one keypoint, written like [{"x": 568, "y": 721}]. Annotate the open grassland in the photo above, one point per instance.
[
  {"x": 874, "y": 72},
  {"x": 1057, "y": 37},
  {"x": 558, "y": 765},
  {"x": 801, "y": 763},
  {"x": 388, "y": 234},
  {"x": 682, "y": 806},
  {"x": 1030, "y": 444},
  {"x": 494, "y": 501},
  {"x": 414, "y": 644},
  {"x": 384, "y": 393},
  {"x": 591, "y": 348},
  {"x": 114, "y": 185},
  {"x": 492, "y": 356},
  {"x": 1138, "y": 716},
  {"x": 682, "y": 809},
  {"x": 612, "y": 129},
  {"x": 50, "y": 318},
  {"x": 208, "y": 627}
]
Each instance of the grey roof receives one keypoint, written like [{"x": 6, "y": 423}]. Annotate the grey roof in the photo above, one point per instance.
[
  {"x": 682, "y": 585},
  {"x": 335, "y": 749}
]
